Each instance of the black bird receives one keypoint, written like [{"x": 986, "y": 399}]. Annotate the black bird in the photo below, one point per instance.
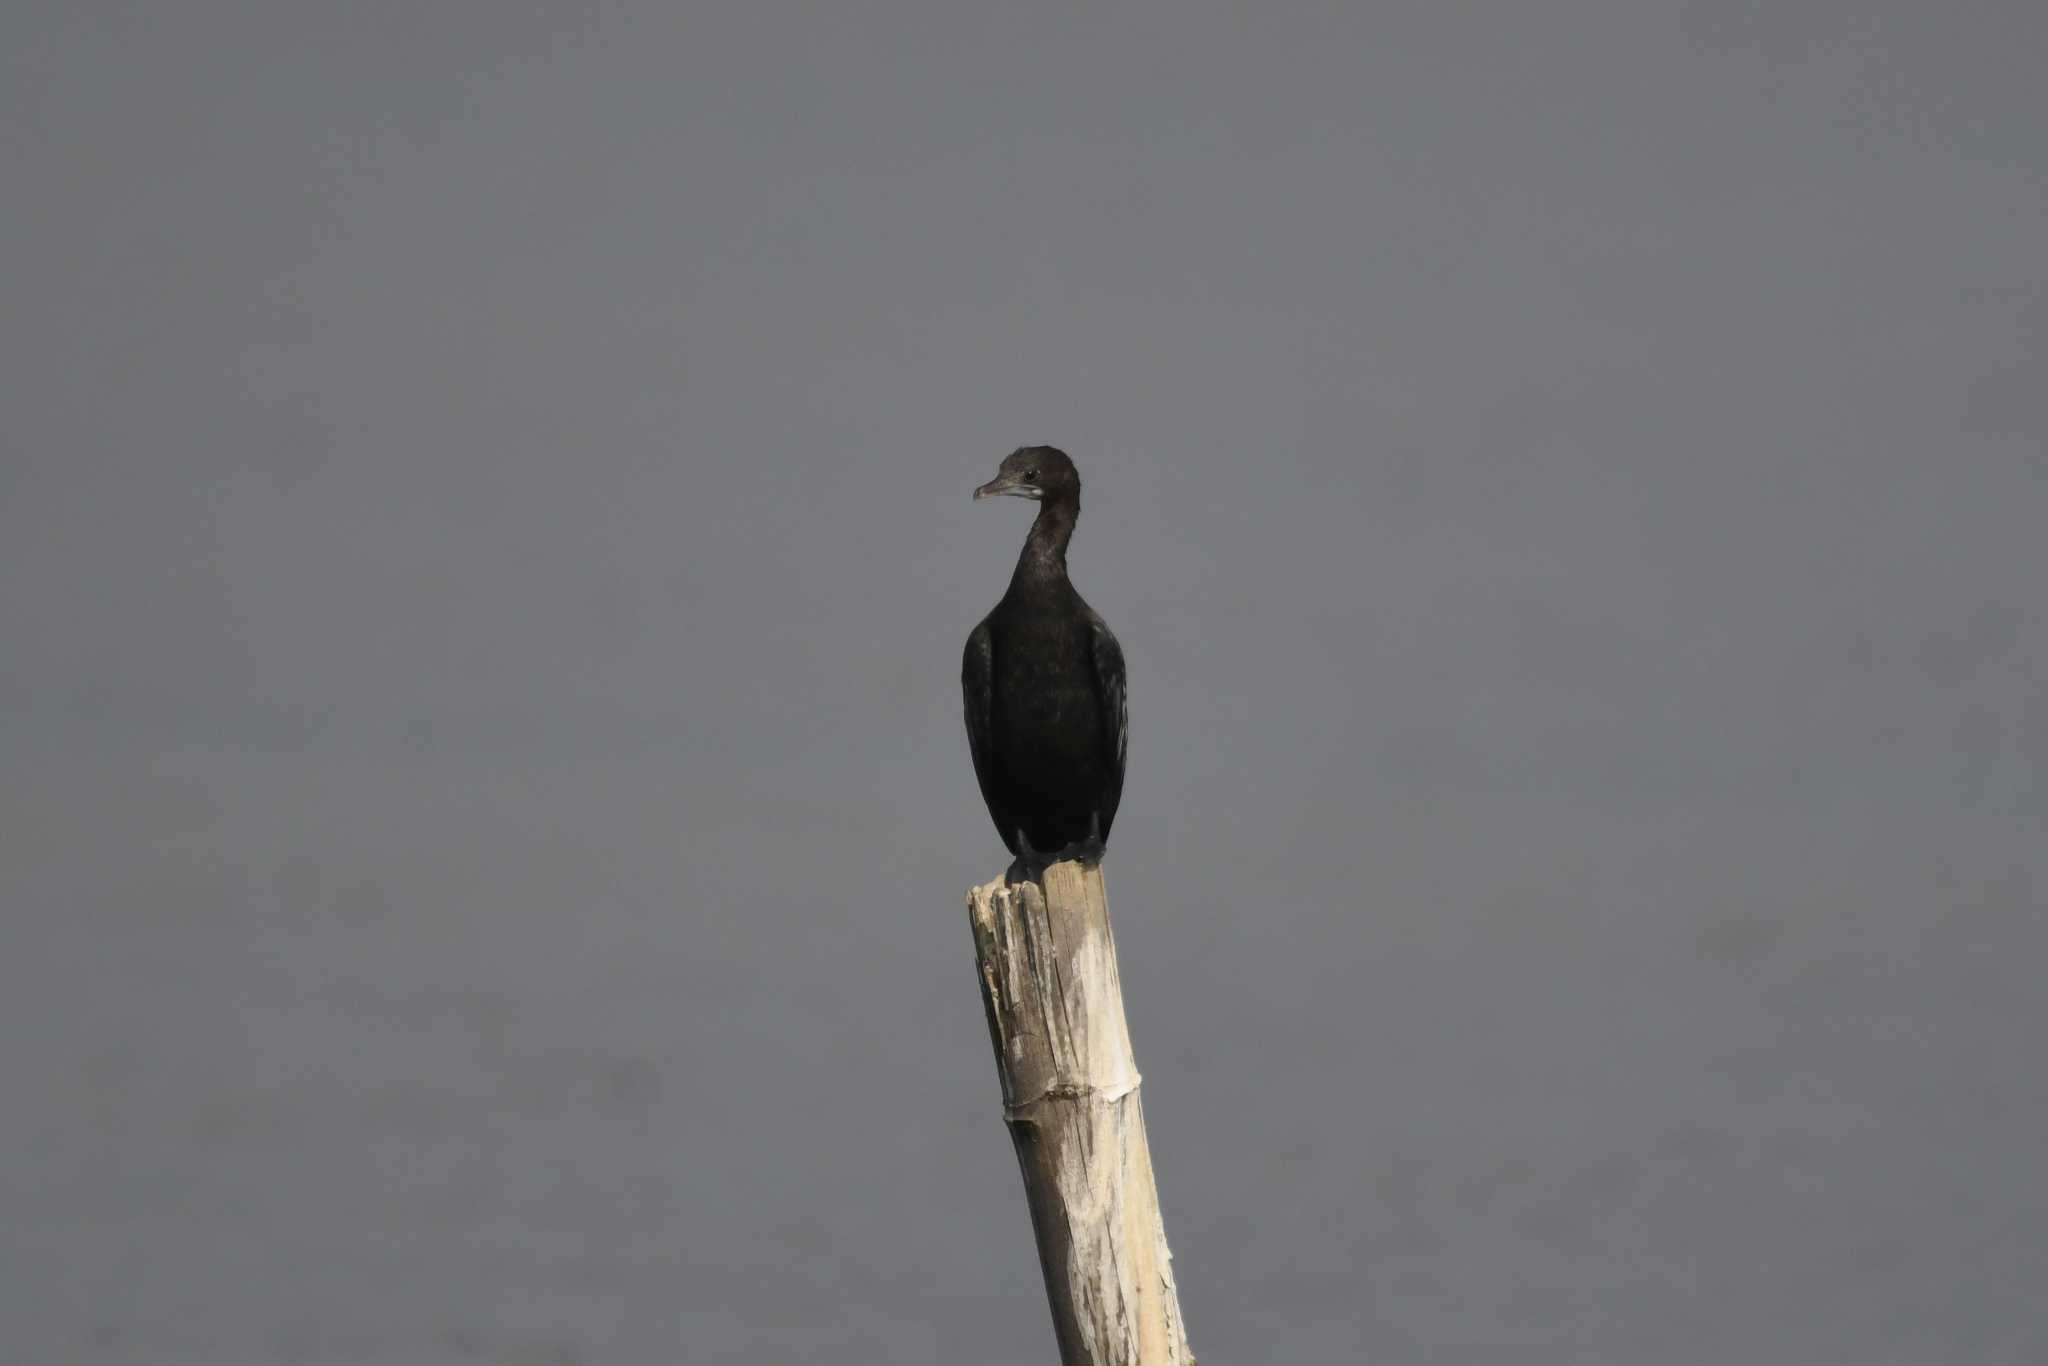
[{"x": 1044, "y": 684}]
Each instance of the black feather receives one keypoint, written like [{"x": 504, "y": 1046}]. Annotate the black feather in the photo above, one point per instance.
[{"x": 1043, "y": 681}]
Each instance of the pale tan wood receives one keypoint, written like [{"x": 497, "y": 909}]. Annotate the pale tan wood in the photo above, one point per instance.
[{"x": 1070, "y": 1097}]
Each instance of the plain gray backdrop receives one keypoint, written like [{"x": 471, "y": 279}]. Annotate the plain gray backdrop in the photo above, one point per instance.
[{"x": 486, "y": 549}]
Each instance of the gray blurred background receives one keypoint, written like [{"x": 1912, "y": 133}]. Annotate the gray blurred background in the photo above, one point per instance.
[{"x": 486, "y": 547}]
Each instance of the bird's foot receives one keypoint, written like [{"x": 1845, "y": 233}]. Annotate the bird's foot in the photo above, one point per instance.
[
  {"x": 1088, "y": 851},
  {"x": 1030, "y": 864}
]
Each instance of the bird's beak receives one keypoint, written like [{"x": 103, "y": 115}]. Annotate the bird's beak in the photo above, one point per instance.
[{"x": 1006, "y": 484}]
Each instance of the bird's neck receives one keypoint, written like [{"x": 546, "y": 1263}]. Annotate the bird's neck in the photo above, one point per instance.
[{"x": 1044, "y": 558}]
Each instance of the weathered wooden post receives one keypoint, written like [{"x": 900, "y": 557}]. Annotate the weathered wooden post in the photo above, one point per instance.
[{"x": 1070, "y": 1097}]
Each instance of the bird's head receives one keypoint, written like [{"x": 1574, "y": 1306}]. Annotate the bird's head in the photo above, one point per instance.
[{"x": 1036, "y": 472}]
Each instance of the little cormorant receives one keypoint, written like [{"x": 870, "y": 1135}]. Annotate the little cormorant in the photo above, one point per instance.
[{"x": 1044, "y": 683}]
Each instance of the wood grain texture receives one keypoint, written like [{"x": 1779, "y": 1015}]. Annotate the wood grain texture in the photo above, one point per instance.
[{"x": 1070, "y": 1097}]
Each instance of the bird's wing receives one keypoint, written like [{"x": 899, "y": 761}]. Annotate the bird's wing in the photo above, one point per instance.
[
  {"x": 977, "y": 672},
  {"x": 1108, "y": 657}
]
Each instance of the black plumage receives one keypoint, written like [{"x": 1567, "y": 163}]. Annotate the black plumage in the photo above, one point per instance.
[{"x": 1043, "y": 681}]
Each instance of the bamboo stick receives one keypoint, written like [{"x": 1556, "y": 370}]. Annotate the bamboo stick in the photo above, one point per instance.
[{"x": 1070, "y": 1098}]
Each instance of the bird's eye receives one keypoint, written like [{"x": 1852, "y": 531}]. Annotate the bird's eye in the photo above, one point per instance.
[{"x": 1031, "y": 476}]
